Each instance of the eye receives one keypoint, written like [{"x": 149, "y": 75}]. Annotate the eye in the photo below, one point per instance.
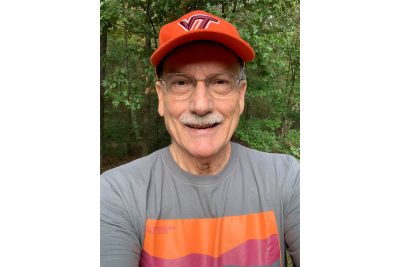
[
  {"x": 221, "y": 81},
  {"x": 180, "y": 81}
]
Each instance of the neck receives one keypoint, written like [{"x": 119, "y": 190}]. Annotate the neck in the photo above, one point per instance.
[{"x": 203, "y": 166}]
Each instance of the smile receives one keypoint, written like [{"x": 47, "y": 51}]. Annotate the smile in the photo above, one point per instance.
[{"x": 202, "y": 126}]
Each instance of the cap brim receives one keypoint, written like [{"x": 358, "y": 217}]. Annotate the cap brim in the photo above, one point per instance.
[{"x": 238, "y": 46}]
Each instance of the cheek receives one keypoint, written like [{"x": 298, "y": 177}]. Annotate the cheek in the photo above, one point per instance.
[
  {"x": 232, "y": 108},
  {"x": 173, "y": 109}
]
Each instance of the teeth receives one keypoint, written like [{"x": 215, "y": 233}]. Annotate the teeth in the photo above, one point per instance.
[{"x": 201, "y": 126}]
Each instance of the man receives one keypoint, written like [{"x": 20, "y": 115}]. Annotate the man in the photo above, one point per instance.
[{"x": 202, "y": 201}]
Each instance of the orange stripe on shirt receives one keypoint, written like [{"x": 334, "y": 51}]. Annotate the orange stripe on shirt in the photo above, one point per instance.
[{"x": 175, "y": 238}]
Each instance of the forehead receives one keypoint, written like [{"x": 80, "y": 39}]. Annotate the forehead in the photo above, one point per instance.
[{"x": 201, "y": 54}]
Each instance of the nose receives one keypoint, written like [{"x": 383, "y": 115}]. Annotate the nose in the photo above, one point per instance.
[{"x": 200, "y": 102}]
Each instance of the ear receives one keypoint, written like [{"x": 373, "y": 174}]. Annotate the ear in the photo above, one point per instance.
[
  {"x": 161, "y": 97},
  {"x": 242, "y": 92}
]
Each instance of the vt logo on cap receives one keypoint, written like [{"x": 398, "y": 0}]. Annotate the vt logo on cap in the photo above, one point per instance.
[{"x": 203, "y": 22}]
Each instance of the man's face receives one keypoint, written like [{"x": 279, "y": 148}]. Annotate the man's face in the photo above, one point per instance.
[{"x": 192, "y": 135}]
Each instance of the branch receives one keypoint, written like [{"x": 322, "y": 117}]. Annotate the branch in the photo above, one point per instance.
[{"x": 148, "y": 15}]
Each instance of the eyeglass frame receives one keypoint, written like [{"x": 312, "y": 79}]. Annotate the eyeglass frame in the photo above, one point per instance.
[{"x": 206, "y": 80}]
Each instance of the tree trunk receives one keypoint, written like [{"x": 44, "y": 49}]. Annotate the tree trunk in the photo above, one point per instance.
[
  {"x": 147, "y": 106},
  {"x": 134, "y": 136},
  {"x": 132, "y": 122},
  {"x": 103, "y": 49}
]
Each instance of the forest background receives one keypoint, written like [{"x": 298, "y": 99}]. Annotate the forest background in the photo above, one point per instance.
[{"x": 130, "y": 125}]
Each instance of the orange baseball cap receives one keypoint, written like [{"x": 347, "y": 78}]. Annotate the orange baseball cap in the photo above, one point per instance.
[{"x": 200, "y": 25}]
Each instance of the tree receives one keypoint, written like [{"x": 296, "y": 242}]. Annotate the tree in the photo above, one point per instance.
[{"x": 108, "y": 17}]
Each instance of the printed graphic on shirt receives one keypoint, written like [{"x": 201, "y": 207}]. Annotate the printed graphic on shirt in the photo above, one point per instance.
[{"x": 244, "y": 240}]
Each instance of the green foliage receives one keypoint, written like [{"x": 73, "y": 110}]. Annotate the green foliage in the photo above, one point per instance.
[
  {"x": 109, "y": 14},
  {"x": 292, "y": 141},
  {"x": 121, "y": 90},
  {"x": 259, "y": 134},
  {"x": 271, "y": 121}
]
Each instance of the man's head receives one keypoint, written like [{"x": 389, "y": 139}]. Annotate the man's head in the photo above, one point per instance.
[{"x": 201, "y": 87}]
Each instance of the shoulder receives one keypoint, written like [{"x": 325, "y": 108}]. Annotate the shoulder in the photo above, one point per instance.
[
  {"x": 278, "y": 175},
  {"x": 135, "y": 173},
  {"x": 280, "y": 164}
]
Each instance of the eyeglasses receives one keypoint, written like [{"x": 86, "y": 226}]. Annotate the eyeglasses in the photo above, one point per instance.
[{"x": 218, "y": 84}]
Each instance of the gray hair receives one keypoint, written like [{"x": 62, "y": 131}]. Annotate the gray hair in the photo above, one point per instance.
[{"x": 242, "y": 72}]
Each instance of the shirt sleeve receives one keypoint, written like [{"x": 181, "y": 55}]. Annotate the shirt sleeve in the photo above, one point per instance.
[
  {"x": 292, "y": 213},
  {"x": 119, "y": 242}
]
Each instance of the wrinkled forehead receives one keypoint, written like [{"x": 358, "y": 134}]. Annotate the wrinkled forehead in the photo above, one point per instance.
[{"x": 201, "y": 53}]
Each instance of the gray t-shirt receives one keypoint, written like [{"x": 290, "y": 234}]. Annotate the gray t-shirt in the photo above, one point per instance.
[{"x": 155, "y": 214}]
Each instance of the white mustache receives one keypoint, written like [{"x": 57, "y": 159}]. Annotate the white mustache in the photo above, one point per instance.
[{"x": 196, "y": 120}]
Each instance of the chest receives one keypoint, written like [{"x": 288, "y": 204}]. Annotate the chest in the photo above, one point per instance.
[{"x": 233, "y": 223}]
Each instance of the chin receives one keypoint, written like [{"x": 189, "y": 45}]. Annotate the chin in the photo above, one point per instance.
[{"x": 204, "y": 150}]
